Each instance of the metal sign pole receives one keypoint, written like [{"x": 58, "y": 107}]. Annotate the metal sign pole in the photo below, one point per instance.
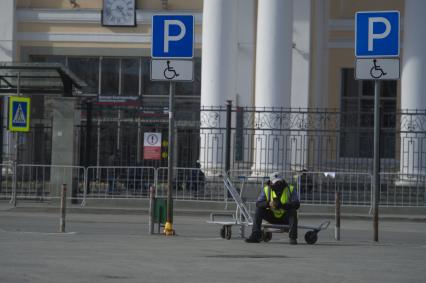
[
  {"x": 376, "y": 165},
  {"x": 16, "y": 136},
  {"x": 168, "y": 230},
  {"x": 373, "y": 44}
]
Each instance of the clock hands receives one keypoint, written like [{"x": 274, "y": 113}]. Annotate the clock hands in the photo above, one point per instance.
[{"x": 119, "y": 12}]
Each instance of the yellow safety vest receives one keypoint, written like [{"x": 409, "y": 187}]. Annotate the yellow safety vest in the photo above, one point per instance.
[{"x": 285, "y": 198}]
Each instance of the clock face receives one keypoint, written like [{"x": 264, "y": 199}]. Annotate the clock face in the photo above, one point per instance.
[{"x": 119, "y": 13}]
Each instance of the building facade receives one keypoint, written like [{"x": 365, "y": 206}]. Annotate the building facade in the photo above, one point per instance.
[{"x": 289, "y": 58}]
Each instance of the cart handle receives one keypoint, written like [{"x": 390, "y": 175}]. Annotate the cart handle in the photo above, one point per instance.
[{"x": 324, "y": 225}]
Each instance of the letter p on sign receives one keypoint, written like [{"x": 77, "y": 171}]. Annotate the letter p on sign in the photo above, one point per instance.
[
  {"x": 372, "y": 35},
  {"x": 168, "y": 37},
  {"x": 377, "y": 34},
  {"x": 172, "y": 36}
]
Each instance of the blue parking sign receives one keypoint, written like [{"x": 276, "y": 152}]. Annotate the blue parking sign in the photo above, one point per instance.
[
  {"x": 377, "y": 34},
  {"x": 172, "y": 36}
]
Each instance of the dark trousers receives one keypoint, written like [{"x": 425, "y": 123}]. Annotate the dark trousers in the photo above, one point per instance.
[
  {"x": 290, "y": 219},
  {"x": 111, "y": 185}
]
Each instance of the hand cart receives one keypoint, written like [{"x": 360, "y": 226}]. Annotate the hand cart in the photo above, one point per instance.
[{"x": 242, "y": 218}]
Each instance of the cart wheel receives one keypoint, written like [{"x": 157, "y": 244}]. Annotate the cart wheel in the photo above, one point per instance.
[
  {"x": 266, "y": 236},
  {"x": 222, "y": 232},
  {"x": 311, "y": 237},
  {"x": 228, "y": 232}
]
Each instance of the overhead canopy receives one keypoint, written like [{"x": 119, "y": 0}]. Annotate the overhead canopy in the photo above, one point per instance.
[{"x": 41, "y": 79}]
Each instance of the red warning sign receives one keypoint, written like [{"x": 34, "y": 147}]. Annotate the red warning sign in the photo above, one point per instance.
[{"x": 152, "y": 146}]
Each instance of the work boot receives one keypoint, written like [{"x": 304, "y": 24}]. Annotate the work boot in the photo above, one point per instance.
[
  {"x": 293, "y": 241},
  {"x": 253, "y": 239}
]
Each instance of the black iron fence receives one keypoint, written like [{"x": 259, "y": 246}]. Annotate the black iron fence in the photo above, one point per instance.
[
  {"x": 233, "y": 138},
  {"x": 311, "y": 139}
]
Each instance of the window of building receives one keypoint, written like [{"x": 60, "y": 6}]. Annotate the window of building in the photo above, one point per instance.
[
  {"x": 48, "y": 59},
  {"x": 122, "y": 127},
  {"x": 130, "y": 76},
  {"x": 110, "y": 74},
  {"x": 357, "y": 119},
  {"x": 151, "y": 87},
  {"x": 86, "y": 68},
  {"x": 126, "y": 76}
]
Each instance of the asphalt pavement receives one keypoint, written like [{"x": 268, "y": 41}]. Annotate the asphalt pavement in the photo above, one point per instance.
[{"x": 106, "y": 247}]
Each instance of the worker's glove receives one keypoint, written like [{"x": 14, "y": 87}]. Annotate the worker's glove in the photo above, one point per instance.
[
  {"x": 276, "y": 203},
  {"x": 287, "y": 206},
  {"x": 296, "y": 205}
]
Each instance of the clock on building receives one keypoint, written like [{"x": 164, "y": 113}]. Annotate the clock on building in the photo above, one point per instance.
[{"x": 119, "y": 13}]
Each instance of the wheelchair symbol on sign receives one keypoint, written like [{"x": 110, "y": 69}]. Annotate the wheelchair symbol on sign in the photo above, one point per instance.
[
  {"x": 376, "y": 71},
  {"x": 169, "y": 72}
]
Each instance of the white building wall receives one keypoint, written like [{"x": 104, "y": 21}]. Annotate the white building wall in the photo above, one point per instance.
[{"x": 319, "y": 80}]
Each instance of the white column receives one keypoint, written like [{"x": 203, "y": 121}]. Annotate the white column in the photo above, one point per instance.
[
  {"x": 301, "y": 54},
  {"x": 7, "y": 53},
  {"x": 246, "y": 25},
  {"x": 7, "y": 31},
  {"x": 218, "y": 78},
  {"x": 300, "y": 82},
  {"x": 413, "y": 86},
  {"x": 241, "y": 141},
  {"x": 273, "y": 82},
  {"x": 219, "y": 52}
]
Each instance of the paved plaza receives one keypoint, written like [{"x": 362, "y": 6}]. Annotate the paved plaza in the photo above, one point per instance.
[{"x": 117, "y": 248}]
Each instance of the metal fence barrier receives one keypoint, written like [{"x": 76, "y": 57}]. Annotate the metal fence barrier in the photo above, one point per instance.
[
  {"x": 117, "y": 182},
  {"x": 43, "y": 182},
  {"x": 191, "y": 184},
  {"x": 405, "y": 190},
  {"x": 6, "y": 181},
  {"x": 321, "y": 188},
  {"x": 313, "y": 187}
]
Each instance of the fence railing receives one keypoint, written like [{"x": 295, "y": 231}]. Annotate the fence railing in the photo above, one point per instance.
[
  {"x": 244, "y": 137},
  {"x": 7, "y": 182},
  {"x": 190, "y": 184},
  {"x": 43, "y": 182},
  {"x": 312, "y": 187},
  {"x": 119, "y": 182},
  {"x": 402, "y": 190}
]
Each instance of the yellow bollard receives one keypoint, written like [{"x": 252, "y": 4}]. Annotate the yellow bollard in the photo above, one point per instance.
[{"x": 168, "y": 229}]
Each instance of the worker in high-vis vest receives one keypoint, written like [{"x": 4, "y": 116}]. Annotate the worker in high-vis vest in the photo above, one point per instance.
[{"x": 277, "y": 203}]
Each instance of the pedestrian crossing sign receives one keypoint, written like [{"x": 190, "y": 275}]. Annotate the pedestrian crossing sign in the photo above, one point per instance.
[{"x": 19, "y": 114}]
